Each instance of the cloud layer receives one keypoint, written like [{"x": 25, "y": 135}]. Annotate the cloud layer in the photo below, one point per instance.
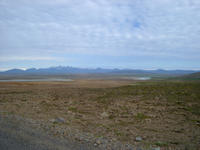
[{"x": 78, "y": 30}]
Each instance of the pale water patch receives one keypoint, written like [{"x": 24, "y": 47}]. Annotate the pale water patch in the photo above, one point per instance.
[
  {"x": 137, "y": 78},
  {"x": 144, "y": 78},
  {"x": 36, "y": 80}
]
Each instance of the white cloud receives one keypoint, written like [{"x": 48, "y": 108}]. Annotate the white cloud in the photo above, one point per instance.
[
  {"x": 101, "y": 27},
  {"x": 26, "y": 58}
]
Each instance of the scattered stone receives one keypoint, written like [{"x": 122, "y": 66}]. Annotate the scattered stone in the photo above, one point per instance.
[
  {"x": 129, "y": 147},
  {"x": 58, "y": 120},
  {"x": 138, "y": 139},
  {"x": 148, "y": 120},
  {"x": 138, "y": 148},
  {"x": 87, "y": 140},
  {"x": 98, "y": 142},
  {"x": 104, "y": 115},
  {"x": 198, "y": 123},
  {"x": 157, "y": 148},
  {"x": 52, "y": 120},
  {"x": 62, "y": 120}
]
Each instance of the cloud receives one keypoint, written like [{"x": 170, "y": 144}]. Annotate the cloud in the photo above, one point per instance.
[
  {"x": 27, "y": 58},
  {"x": 100, "y": 27}
]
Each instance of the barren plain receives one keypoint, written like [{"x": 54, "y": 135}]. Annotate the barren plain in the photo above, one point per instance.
[{"x": 146, "y": 114}]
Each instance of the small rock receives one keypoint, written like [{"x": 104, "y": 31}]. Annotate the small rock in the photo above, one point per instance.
[
  {"x": 61, "y": 120},
  {"x": 138, "y": 139},
  {"x": 98, "y": 142},
  {"x": 157, "y": 148},
  {"x": 104, "y": 115},
  {"x": 52, "y": 120},
  {"x": 87, "y": 140},
  {"x": 58, "y": 120}
]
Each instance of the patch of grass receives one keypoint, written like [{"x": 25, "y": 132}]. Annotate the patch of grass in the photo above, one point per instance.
[
  {"x": 73, "y": 109},
  {"x": 119, "y": 133},
  {"x": 48, "y": 106},
  {"x": 196, "y": 121},
  {"x": 124, "y": 123},
  {"x": 141, "y": 116},
  {"x": 151, "y": 130},
  {"x": 174, "y": 142},
  {"x": 111, "y": 117},
  {"x": 16, "y": 92},
  {"x": 3, "y": 100},
  {"x": 195, "y": 109},
  {"x": 161, "y": 144},
  {"x": 106, "y": 98},
  {"x": 24, "y": 99}
]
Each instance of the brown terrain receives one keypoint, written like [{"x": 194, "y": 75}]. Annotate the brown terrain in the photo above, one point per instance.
[{"x": 163, "y": 114}]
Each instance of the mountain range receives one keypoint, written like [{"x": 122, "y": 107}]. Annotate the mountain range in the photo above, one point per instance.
[{"x": 61, "y": 70}]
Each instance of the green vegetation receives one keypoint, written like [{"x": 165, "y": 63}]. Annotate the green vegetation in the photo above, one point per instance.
[
  {"x": 195, "y": 109},
  {"x": 161, "y": 144},
  {"x": 141, "y": 116},
  {"x": 73, "y": 109}
]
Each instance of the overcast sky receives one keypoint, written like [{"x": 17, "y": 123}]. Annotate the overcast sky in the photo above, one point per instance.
[{"x": 137, "y": 34}]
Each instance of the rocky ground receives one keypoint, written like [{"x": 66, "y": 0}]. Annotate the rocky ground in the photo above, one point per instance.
[
  {"x": 100, "y": 115},
  {"x": 18, "y": 133}
]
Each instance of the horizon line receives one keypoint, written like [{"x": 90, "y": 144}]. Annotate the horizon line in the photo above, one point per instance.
[{"x": 111, "y": 68}]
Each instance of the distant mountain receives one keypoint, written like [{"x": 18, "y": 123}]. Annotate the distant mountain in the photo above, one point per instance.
[
  {"x": 13, "y": 71},
  {"x": 193, "y": 76},
  {"x": 158, "y": 71},
  {"x": 61, "y": 70},
  {"x": 55, "y": 71}
]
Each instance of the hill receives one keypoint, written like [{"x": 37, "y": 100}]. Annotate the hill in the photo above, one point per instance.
[{"x": 193, "y": 76}]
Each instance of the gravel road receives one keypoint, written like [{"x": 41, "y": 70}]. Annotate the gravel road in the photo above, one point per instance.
[{"x": 17, "y": 135}]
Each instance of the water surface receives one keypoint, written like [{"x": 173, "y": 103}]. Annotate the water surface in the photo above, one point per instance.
[{"x": 36, "y": 80}]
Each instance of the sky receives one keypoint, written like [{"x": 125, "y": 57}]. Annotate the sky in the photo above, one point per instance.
[{"x": 135, "y": 34}]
